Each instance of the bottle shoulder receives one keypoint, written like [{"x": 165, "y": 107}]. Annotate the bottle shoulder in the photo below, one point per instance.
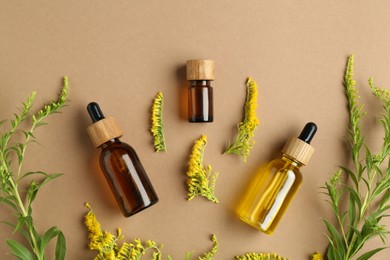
[
  {"x": 281, "y": 163},
  {"x": 117, "y": 146}
]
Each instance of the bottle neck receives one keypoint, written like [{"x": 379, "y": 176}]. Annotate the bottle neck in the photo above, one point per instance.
[
  {"x": 110, "y": 142},
  {"x": 292, "y": 161},
  {"x": 200, "y": 83}
]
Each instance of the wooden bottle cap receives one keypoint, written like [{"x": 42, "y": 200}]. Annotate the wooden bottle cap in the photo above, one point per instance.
[
  {"x": 200, "y": 70},
  {"x": 298, "y": 150},
  {"x": 104, "y": 130}
]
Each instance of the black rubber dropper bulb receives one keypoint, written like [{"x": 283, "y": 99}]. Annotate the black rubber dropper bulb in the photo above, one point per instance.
[
  {"x": 95, "y": 112},
  {"x": 308, "y": 132}
]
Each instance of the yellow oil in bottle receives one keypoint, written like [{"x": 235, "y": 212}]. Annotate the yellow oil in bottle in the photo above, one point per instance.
[
  {"x": 275, "y": 184},
  {"x": 269, "y": 194}
]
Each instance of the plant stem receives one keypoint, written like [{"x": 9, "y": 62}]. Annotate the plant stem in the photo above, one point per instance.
[
  {"x": 25, "y": 215},
  {"x": 23, "y": 151},
  {"x": 15, "y": 193}
]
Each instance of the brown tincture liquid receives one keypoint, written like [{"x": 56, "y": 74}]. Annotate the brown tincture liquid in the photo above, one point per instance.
[
  {"x": 200, "y": 73},
  {"x": 200, "y": 101},
  {"x": 120, "y": 164},
  {"x": 126, "y": 176}
]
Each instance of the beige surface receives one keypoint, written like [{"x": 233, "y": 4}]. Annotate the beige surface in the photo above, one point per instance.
[{"x": 121, "y": 53}]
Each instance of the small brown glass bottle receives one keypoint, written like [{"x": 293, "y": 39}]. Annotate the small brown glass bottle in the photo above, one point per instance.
[
  {"x": 200, "y": 73},
  {"x": 120, "y": 164}
]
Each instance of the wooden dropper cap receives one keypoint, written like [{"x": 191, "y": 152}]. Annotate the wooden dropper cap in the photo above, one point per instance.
[
  {"x": 200, "y": 70},
  {"x": 103, "y": 129},
  {"x": 299, "y": 148}
]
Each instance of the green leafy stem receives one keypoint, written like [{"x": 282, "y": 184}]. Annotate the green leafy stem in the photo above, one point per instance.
[
  {"x": 363, "y": 184},
  {"x": 11, "y": 176}
]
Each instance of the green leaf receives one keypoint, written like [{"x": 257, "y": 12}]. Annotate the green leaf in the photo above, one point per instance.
[
  {"x": 9, "y": 201},
  {"x": 23, "y": 232},
  {"x": 381, "y": 186},
  {"x": 49, "y": 178},
  {"x": 48, "y": 236},
  {"x": 19, "y": 250},
  {"x": 361, "y": 170},
  {"x": 33, "y": 173},
  {"x": 369, "y": 254},
  {"x": 355, "y": 196},
  {"x": 335, "y": 236},
  {"x": 351, "y": 175},
  {"x": 37, "y": 237},
  {"x": 60, "y": 246},
  {"x": 331, "y": 251},
  {"x": 20, "y": 223},
  {"x": 41, "y": 124},
  {"x": 24, "y": 133},
  {"x": 351, "y": 212},
  {"x": 34, "y": 188},
  {"x": 2, "y": 122},
  {"x": 386, "y": 198},
  {"x": 356, "y": 232},
  {"x": 32, "y": 192},
  {"x": 367, "y": 184},
  {"x": 30, "y": 133}
]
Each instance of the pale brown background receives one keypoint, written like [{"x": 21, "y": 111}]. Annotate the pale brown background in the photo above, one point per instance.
[{"x": 121, "y": 53}]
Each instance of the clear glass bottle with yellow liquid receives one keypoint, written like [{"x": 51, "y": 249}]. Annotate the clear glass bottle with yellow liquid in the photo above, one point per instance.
[{"x": 276, "y": 183}]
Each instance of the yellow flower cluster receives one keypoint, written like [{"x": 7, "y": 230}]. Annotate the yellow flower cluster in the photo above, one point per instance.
[
  {"x": 316, "y": 256},
  {"x": 382, "y": 94},
  {"x": 246, "y": 128},
  {"x": 260, "y": 256},
  {"x": 157, "y": 128},
  {"x": 210, "y": 255},
  {"x": 200, "y": 179},
  {"x": 106, "y": 243},
  {"x": 356, "y": 110},
  {"x": 251, "y": 104},
  {"x": 349, "y": 81},
  {"x": 54, "y": 105}
]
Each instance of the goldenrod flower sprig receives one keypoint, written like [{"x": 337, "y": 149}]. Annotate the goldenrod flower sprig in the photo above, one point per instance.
[
  {"x": 210, "y": 255},
  {"x": 106, "y": 244},
  {"x": 355, "y": 109},
  {"x": 365, "y": 184},
  {"x": 206, "y": 256},
  {"x": 201, "y": 181},
  {"x": 246, "y": 128},
  {"x": 157, "y": 128},
  {"x": 260, "y": 256},
  {"x": 19, "y": 194}
]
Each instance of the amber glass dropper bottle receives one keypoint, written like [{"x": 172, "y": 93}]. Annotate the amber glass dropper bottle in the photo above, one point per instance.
[
  {"x": 120, "y": 164},
  {"x": 276, "y": 183}
]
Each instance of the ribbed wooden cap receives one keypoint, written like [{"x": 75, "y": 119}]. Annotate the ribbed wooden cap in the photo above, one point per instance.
[
  {"x": 200, "y": 70},
  {"x": 104, "y": 130},
  {"x": 298, "y": 150}
]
